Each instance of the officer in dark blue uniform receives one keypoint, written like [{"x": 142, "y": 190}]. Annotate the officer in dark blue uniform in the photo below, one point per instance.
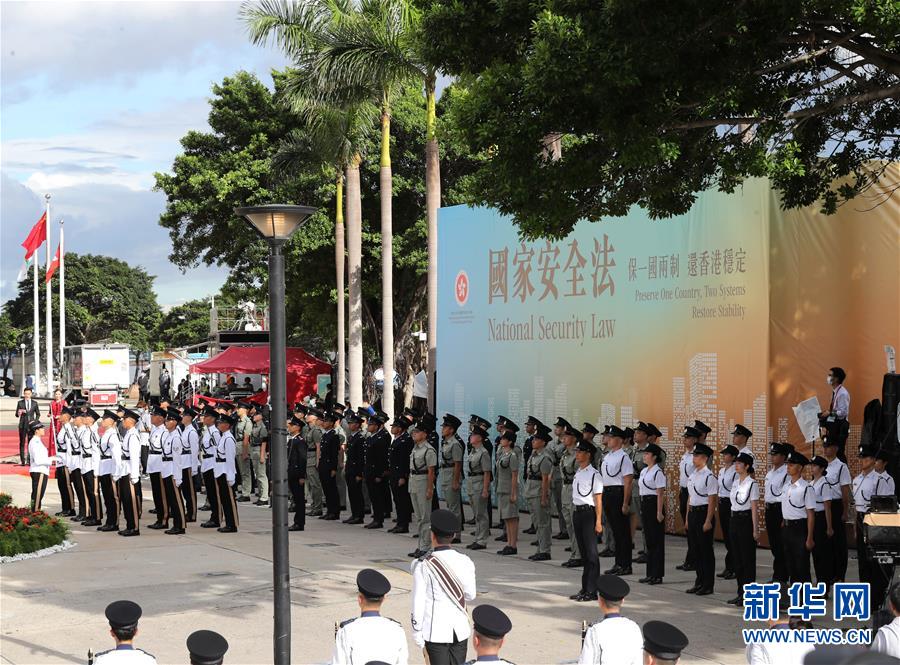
[
  {"x": 296, "y": 471},
  {"x": 329, "y": 451},
  {"x": 355, "y": 467},
  {"x": 376, "y": 468},
  {"x": 398, "y": 463}
]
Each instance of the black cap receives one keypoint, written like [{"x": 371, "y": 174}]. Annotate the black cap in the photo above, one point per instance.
[
  {"x": 568, "y": 430},
  {"x": 451, "y": 421},
  {"x": 483, "y": 423},
  {"x": 337, "y": 407},
  {"x": 206, "y": 647},
  {"x": 134, "y": 415},
  {"x": 664, "y": 640},
  {"x": 444, "y": 522},
  {"x": 210, "y": 411},
  {"x": 542, "y": 433},
  {"x": 352, "y": 417},
  {"x": 511, "y": 426},
  {"x": 300, "y": 407},
  {"x": 643, "y": 427},
  {"x": 615, "y": 430},
  {"x": 746, "y": 459},
  {"x": 590, "y": 429},
  {"x": 378, "y": 418},
  {"x": 654, "y": 430},
  {"x": 534, "y": 421},
  {"x": 225, "y": 418},
  {"x": 702, "y": 449},
  {"x": 313, "y": 411},
  {"x": 629, "y": 433},
  {"x": 189, "y": 411},
  {"x": 490, "y": 622},
  {"x": 401, "y": 421},
  {"x": 740, "y": 430},
  {"x": 480, "y": 431},
  {"x": 34, "y": 426},
  {"x": 884, "y": 455},
  {"x": 729, "y": 450},
  {"x": 777, "y": 448},
  {"x": 329, "y": 417},
  {"x": 586, "y": 447},
  {"x": 173, "y": 414},
  {"x": 123, "y": 613},
  {"x": 508, "y": 435},
  {"x": 90, "y": 413},
  {"x": 428, "y": 421},
  {"x": 561, "y": 422},
  {"x": 112, "y": 415},
  {"x": 69, "y": 410},
  {"x": 797, "y": 458},
  {"x": 298, "y": 422},
  {"x": 158, "y": 411},
  {"x": 867, "y": 451},
  {"x": 654, "y": 449},
  {"x": 612, "y": 587},
  {"x": 372, "y": 584},
  {"x": 818, "y": 460},
  {"x": 691, "y": 432},
  {"x": 240, "y": 404},
  {"x": 702, "y": 427}
]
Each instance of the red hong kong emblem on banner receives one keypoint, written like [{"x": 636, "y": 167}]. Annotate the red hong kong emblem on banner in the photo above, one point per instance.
[{"x": 462, "y": 288}]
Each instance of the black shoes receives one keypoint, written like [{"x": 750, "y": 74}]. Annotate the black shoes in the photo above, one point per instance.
[
  {"x": 205, "y": 506},
  {"x": 375, "y": 525},
  {"x": 507, "y": 551},
  {"x": 91, "y": 523},
  {"x": 476, "y": 546},
  {"x": 227, "y": 529},
  {"x": 416, "y": 554},
  {"x": 655, "y": 580},
  {"x": 260, "y": 503},
  {"x": 210, "y": 525},
  {"x": 295, "y": 527},
  {"x": 540, "y": 556},
  {"x": 583, "y": 597},
  {"x": 641, "y": 558},
  {"x": 686, "y": 566},
  {"x": 158, "y": 525},
  {"x": 174, "y": 532},
  {"x": 130, "y": 532},
  {"x": 530, "y": 530},
  {"x": 605, "y": 554},
  {"x": 737, "y": 600},
  {"x": 242, "y": 499},
  {"x": 693, "y": 589},
  {"x": 108, "y": 527},
  {"x": 332, "y": 517},
  {"x": 501, "y": 538},
  {"x": 562, "y": 535},
  {"x": 456, "y": 541},
  {"x": 354, "y": 520},
  {"x": 616, "y": 570},
  {"x": 704, "y": 592},
  {"x": 572, "y": 563},
  {"x": 727, "y": 574}
]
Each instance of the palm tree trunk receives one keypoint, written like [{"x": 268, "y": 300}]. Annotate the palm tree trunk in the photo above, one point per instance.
[
  {"x": 354, "y": 270},
  {"x": 339, "y": 263},
  {"x": 432, "y": 203},
  {"x": 387, "y": 259}
]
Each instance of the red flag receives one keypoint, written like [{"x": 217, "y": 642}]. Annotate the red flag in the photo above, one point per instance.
[
  {"x": 54, "y": 264},
  {"x": 37, "y": 237}
]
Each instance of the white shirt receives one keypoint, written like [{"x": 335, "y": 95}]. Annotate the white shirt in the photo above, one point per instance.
[
  {"x": 614, "y": 640},
  {"x": 727, "y": 476},
  {"x": 702, "y": 485},
  {"x": 130, "y": 462},
  {"x": 743, "y": 494},
  {"x": 796, "y": 499},
  {"x": 370, "y": 637},
  {"x": 887, "y": 639},
  {"x": 651, "y": 479},
  {"x": 775, "y": 482},
  {"x": 840, "y": 402},
  {"x": 90, "y": 450},
  {"x": 435, "y": 616},
  {"x": 208, "y": 442},
  {"x": 616, "y": 465},
  {"x": 685, "y": 468},
  {"x": 821, "y": 492},
  {"x": 885, "y": 485},
  {"x": 777, "y": 653},
  {"x": 171, "y": 456},
  {"x": 40, "y": 458},
  {"x": 154, "y": 459},
  {"x": 838, "y": 476},
  {"x": 110, "y": 452},
  {"x": 190, "y": 449},
  {"x": 225, "y": 450},
  {"x": 586, "y": 483},
  {"x": 864, "y": 486},
  {"x": 124, "y": 656}
]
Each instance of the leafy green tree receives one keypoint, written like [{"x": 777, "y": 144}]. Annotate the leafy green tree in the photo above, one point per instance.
[
  {"x": 183, "y": 325},
  {"x": 10, "y": 338},
  {"x": 656, "y": 102}
]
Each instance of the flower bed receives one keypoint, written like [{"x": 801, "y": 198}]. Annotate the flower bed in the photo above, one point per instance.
[{"x": 23, "y": 530}]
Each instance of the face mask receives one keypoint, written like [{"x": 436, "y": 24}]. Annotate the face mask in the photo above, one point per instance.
[{"x": 828, "y": 380}]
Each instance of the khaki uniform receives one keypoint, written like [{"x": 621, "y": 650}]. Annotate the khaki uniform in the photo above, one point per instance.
[
  {"x": 422, "y": 457},
  {"x": 478, "y": 464},
  {"x": 452, "y": 451},
  {"x": 243, "y": 428},
  {"x": 507, "y": 465},
  {"x": 567, "y": 468},
  {"x": 315, "y": 496},
  {"x": 539, "y": 464},
  {"x": 258, "y": 434}
]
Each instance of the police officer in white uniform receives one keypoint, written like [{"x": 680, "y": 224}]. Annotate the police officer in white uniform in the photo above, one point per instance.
[
  {"x": 123, "y": 616},
  {"x": 838, "y": 476},
  {"x": 776, "y": 480},
  {"x": 798, "y": 505},
  {"x": 110, "y": 457},
  {"x": 370, "y": 636},
  {"x": 614, "y": 639},
  {"x": 685, "y": 470},
  {"x": 617, "y": 473},
  {"x": 727, "y": 474},
  {"x": 490, "y": 628},
  {"x": 128, "y": 475},
  {"x": 443, "y": 582},
  {"x": 703, "y": 494},
  {"x": 739, "y": 439}
]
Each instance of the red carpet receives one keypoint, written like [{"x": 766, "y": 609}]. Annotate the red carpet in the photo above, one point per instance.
[{"x": 9, "y": 453}]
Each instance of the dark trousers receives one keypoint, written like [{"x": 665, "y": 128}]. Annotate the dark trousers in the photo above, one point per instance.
[
  {"x": 774, "y": 533},
  {"x": 704, "y": 555},
  {"x": 743, "y": 548},
  {"x": 584, "y": 520},
  {"x": 330, "y": 490},
  {"x": 38, "y": 487},
  {"x": 839, "y": 540},
  {"x": 78, "y": 487},
  {"x": 129, "y": 495},
  {"x": 682, "y": 509},
  {"x": 435, "y": 504},
  {"x": 355, "y": 496},
  {"x": 145, "y": 455},
  {"x": 296, "y": 488},
  {"x": 621, "y": 524},
  {"x": 796, "y": 556},
  {"x": 159, "y": 498},
  {"x": 64, "y": 483},
  {"x": 823, "y": 551},
  {"x": 377, "y": 491},
  {"x": 110, "y": 499},
  {"x": 92, "y": 495},
  {"x": 226, "y": 498},
  {"x": 446, "y": 653},
  {"x": 402, "y": 502},
  {"x": 189, "y": 495},
  {"x": 725, "y": 521},
  {"x": 23, "y": 444},
  {"x": 655, "y": 534},
  {"x": 212, "y": 496},
  {"x": 174, "y": 502}
]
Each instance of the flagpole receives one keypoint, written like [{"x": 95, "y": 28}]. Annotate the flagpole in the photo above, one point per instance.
[
  {"x": 49, "y": 312},
  {"x": 62, "y": 302},
  {"x": 36, "y": 336}
]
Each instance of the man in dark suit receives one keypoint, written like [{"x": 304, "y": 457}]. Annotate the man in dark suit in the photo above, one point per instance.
[{"x": 27, "y": 410}]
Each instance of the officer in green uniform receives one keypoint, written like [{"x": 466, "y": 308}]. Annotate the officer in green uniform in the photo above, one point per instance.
[
  {"x": 555, "y": 450},
  {"x": 422, "y": 466},
  {"x": 478, "y": 485},
  {"x": 508, "y": 465},
  {"x": 312, "y": 434},
  {"x": 537, "y": 491},
  {"x": 452, "y": 451},
  {"x": 567, "y": 468}
]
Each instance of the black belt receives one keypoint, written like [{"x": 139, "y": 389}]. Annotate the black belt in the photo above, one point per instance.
[
  {"x": 472, "y": 473},
  {"x": 795, "y": 522},
  {"x": 698, "y": 507},
  {"x": 256, "y": 445},
  {"x": 105, "y": 456},
  {"x": 166, "y": 459},
  {"x": 221, "y": 460},
  {"x": 723, "y": 499},
  {"x": 535, "y": 478},
  {"x": 154, "y": 452},
  {"x": 88, "y": 456},
  {"x": 610, "y": 488},
  {"x": 773, "y": 504},
  {"x": 741, "y": 513},
  {"x": 647, "y": 497},
  {"x": 422, "y": 473},
  {"x": 61, "y": 449},
  {"x": 127, "y": 458},
  {"x": 582, "y": 508},
  {"x": 205, "y": 456},
  {"x": 567, "y": 482}
]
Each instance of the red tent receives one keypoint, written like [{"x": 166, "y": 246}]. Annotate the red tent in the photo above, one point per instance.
[{"x": 302, "y": 368}]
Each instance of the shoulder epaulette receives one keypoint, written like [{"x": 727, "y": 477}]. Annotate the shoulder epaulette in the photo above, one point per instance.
[
  {"x": 345, "y": 622},
  {"x": 394, "y": 620},
  {"x": 103, "y": 653}
]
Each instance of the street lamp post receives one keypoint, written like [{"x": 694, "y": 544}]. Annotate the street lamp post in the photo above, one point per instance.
[
  {"x": 22, "y": 351},
  {"x": 276, "y": 223}
]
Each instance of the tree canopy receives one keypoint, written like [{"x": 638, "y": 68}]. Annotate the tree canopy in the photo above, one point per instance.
[
  {"x": 655, "y": 102},
  {"x": 183, "y": 325}
]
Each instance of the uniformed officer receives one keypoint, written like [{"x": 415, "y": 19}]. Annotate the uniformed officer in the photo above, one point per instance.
[
  {"x": 478, "y": 486},
  {"x": 865, "y": 486},
  {"x": 614, "y": 639},
  {"x": 225, "y": 472},
  {"x": 537, "y": 492},
  {"x": 634, "y": 511},
  {"x": 90, "y": 464},
  {"x": 329, "y": 453},
  {"x": 242, "y": 430},
  {"x": 740, "y": 439},
  {"x": 618, "y": 475},
  {"x": 652, "y": 488},
  {"x": 190, "y": 462},
  {"x": 568, "y": 465},
  {"x": 508, "y": 427},
  {"x": 744, "y": 527},
  {"x": 477, "y": 421},
  {"x": 399, "y": 451},
  {"x": 640, "y": 438},
  {"x": 443, "y": 582},
  {"x": 377, "y": 471},
  {"x": 206, "y": 647},
  {"x": 154, "y": 467},
  {"x": 355, "y": 467},
  {"x": 73, "y": 439},
  {"x": 587, "y": 520},
  {"x": 663, "y": 643},
  {"x": 422, "y": 472},
  {"x": 340, "y": 428},
  {"x": 209, "y": 441},
  {"x": 838, "y": 477},
  {"x": 110, "y": 458},
  {"x": 63, "y": 477},
  {"x": 39, "y": 461},
  {"x": 685, "y": 469},
  {"x": 370, "y": 636},
  {"x": 490, "y": 628},
  {"x": 128, "y": 475},
  {"x": 508, "y": 491},
  {"x": 554, "y": 449},
  {"x": 259, "y": 452},
  {"x": 452, "y": 451},
  {"x": 608, "y": 539},
  {"x": 726, "y": 478},
  {"x": 297, "y": 463},
  {"x": 531, "y": 426},
  {"x": 798, "y": 505},
  {"x": 171, "y": 472},
  {"x": 703, "y": 494},
  {"x": 886, "y": 487},
  {"x": 823, "y": 532},
  {"x": 429, "y": 421},
  {"x": 776, "y": 479},
  {"x": 123, "y": 617},
  {"x": 312, "y": 434}
]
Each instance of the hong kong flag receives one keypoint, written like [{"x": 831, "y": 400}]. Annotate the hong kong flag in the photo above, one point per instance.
[
  {"x": 54, "y": 264},
  {"x": 36, "y": 238}
]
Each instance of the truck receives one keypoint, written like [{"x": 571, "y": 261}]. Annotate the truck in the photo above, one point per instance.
[{"x": 100, "y": 370}]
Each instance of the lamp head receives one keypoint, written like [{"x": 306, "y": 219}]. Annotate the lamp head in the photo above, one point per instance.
[{"x": 274, "y": 221}]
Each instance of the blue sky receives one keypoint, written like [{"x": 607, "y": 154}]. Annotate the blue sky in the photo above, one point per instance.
[{"x": 94, "y": 97}]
